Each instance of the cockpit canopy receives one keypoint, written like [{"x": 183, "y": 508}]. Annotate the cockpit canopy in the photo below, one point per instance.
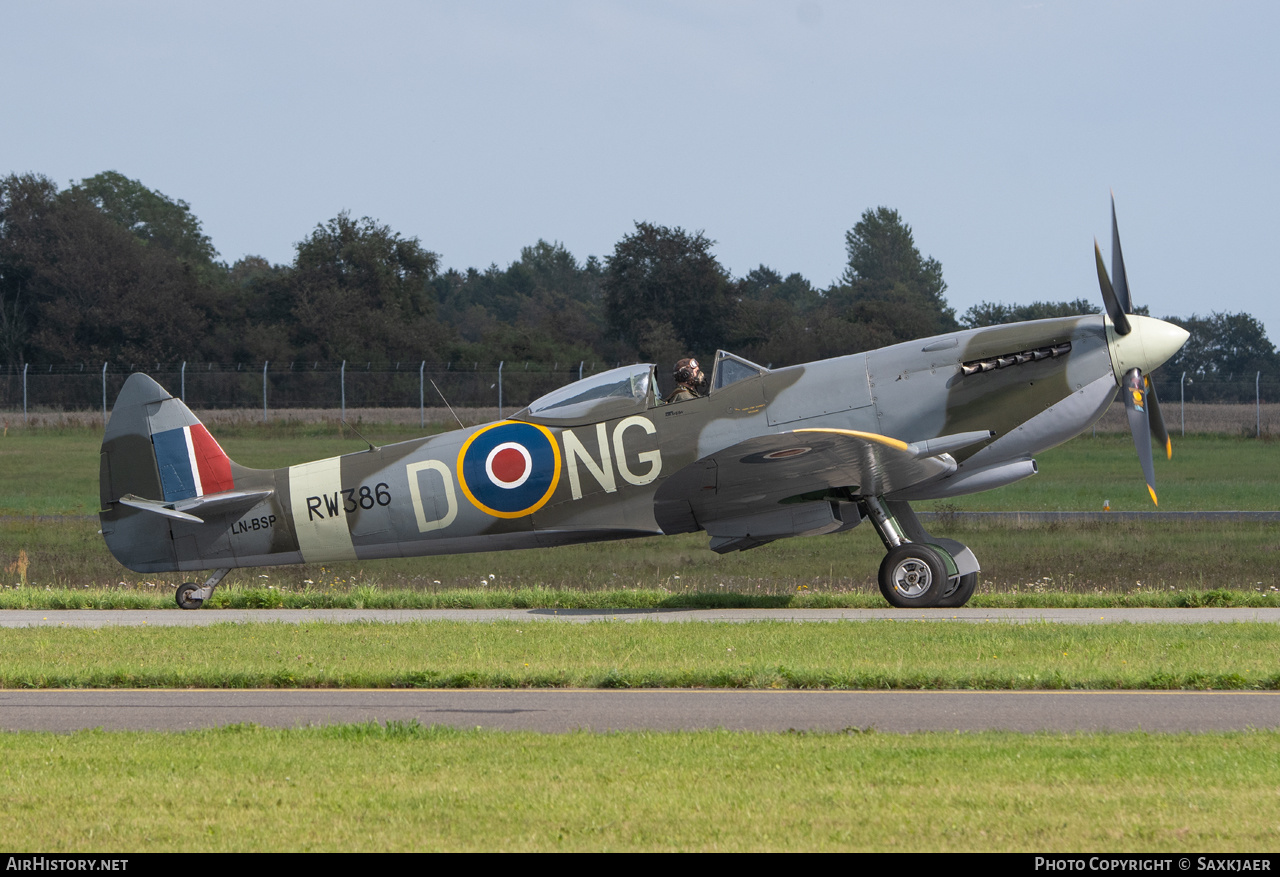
[
  {"x": 621, "y": 392},
  {"x": 606, "y": 396}
]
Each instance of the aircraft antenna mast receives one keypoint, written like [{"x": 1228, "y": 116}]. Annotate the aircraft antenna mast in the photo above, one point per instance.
[{"x": 447, "y": 405}]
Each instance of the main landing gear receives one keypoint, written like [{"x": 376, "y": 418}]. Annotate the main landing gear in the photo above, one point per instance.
[
  {"x": 919, "y": 570},
  {"x": 192, "y": 596}
]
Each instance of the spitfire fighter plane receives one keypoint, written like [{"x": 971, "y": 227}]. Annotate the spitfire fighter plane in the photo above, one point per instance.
[{"x": 765, "y": 454}]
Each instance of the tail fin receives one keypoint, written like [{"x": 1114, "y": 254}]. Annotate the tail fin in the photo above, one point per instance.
[
  {"x": 156, "y": 449},
  {"x": 161, "y": 473}
]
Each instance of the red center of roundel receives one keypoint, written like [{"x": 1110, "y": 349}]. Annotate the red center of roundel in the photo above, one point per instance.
[{"x": 508, "y": 465}]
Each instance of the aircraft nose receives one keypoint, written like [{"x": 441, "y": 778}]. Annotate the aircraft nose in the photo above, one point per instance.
[{"x": 1147, "y": 346}]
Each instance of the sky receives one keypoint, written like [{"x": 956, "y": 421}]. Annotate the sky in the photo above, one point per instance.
[{"x": 996, "y": 129}]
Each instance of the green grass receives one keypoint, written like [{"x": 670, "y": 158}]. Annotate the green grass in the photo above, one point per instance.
[
  {"x": 405, "y": 787},
  {"x": 440, "y": 654}
]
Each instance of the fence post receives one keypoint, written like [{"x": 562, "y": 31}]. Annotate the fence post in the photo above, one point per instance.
[
  {"x": 104, "y": 395},
  {"x": 500, "y": 364},
  {"x": 422, "y": 397},
  {"x": 580, "y": 365},
  {"x": 1182, "y": 390},
  {"x": 342, "y": 379},
  {"x": 265, "y": 363},
  {"x": 184, "y": 382},
  {"x": 1257, "y": 396},
  {"x": 25, "y": 366}
]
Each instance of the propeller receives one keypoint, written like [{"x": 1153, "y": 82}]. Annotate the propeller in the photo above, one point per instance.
[{"x": 1141, "y": 405}]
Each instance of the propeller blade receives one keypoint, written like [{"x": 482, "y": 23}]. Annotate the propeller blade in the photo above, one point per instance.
[
  {"x": 1117, "y": 264},
  {"x": 1135, "y": 399},
  {"x": 1158, "y": 431},
  {"x": 1114, "y": 310},
  {"x": 1140, "y": 403}
]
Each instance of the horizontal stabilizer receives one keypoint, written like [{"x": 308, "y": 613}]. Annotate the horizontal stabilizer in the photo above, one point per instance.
[
  {"x": 225, "y": 503},
  {"x": 158, "y": 508}
]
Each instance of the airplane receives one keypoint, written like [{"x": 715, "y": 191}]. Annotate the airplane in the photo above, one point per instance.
[{"x": 765, "y": 454}]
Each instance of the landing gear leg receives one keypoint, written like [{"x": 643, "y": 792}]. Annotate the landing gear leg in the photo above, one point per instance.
[
  {"x": 192, "y": 596},
  {"x": 919, "y": 569}
]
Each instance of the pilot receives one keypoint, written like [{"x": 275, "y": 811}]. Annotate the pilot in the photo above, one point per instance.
[{"x": 689, "y": 380}]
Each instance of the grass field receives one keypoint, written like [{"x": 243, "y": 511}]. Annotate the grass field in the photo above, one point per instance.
[
  {"x": 408, "y": 788},
  {"x": 849, "y": 655}
]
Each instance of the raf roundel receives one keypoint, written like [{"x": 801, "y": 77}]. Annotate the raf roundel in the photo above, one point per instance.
[{"x": 509, "y": 469}]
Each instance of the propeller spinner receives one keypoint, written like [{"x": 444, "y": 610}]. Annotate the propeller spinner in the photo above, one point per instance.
[{"x": 1138, "y": 346}]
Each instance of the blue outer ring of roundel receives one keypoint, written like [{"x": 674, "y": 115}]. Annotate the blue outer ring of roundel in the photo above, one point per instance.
[{"x": 514, "y": 502}]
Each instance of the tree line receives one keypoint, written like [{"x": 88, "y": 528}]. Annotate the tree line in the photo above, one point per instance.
[{"x": 110, "y": 270}]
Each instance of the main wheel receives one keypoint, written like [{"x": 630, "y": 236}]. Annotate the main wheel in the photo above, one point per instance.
[
  {"x": 960, "y": 592},
  {"x": 913, "y": 575},
  {"x": 184, "y": 598}
]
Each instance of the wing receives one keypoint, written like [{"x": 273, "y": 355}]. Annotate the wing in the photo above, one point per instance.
[{"x": 782, "y": 485}]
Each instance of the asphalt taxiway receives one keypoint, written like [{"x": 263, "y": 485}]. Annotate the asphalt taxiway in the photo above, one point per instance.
[{"x": 562, "y": 710}]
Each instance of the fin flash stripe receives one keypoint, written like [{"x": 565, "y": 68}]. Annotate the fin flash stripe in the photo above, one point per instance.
[{"x": 191, "y": 463}]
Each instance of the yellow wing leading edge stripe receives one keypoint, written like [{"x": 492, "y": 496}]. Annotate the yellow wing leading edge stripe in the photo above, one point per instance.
[{"x": 896, "y": 444}]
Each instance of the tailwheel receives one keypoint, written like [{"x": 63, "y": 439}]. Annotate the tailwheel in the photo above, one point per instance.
[
  {"x": 913, "y": 575},
  {"x": 958, "y": 592},
  {"x": 184, "y": 598}
]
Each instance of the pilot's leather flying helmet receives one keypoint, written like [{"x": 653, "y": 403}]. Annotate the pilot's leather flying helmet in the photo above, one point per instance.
[{"x": 685, "y": 371}]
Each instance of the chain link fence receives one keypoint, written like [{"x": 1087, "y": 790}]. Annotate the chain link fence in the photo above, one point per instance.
[
  {"x": 507, "y": 387},
  {"x": 295, "y": 385}
]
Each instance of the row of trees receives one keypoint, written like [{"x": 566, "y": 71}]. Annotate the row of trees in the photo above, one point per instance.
[{"x": 109, "y": 270}]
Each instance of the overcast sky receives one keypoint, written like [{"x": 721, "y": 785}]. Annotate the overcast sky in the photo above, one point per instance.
[{"x": 997, "y": 129}]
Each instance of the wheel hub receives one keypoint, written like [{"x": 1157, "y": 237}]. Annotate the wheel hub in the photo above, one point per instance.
[{"x": 912, "y": 577}]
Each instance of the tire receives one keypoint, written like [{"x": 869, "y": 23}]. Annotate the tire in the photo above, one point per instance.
[
  {"x": 960, "y": 593},
  {"x": 184, "y": 598},
  {"x": 913, "y": 575}
]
